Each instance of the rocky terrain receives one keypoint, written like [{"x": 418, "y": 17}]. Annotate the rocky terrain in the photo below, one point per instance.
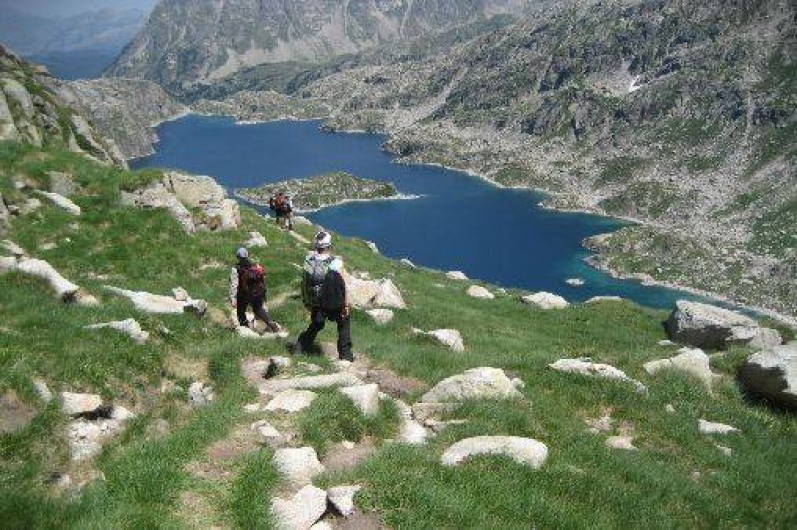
[
  {"x": 186, "y": 43},
  {"x": 322, "y": 191},
  {"x": 34, "y": 109},
  {"x": 679, "y": 116}
]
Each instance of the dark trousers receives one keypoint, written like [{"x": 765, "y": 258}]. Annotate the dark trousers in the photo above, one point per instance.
[
  {"x": 242, "y": 302},
  {"x": 318, "y": 319}
]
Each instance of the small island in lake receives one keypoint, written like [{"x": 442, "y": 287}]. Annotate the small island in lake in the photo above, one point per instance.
[{"x": 322, "y": 191}]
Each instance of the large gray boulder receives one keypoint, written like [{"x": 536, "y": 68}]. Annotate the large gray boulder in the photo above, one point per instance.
[
  {"x": 772, "y": 374},
  {"x": 373, "y": 293},
  {"x": 301, "y": 511},
  {"x": 691, "y": 361},
  {"x": 476, "y": 383},
  {"x": 708, "y": 326},
  {"x": 525, "y": 451}
]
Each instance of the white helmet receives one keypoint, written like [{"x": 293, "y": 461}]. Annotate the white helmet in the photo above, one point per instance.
[
  {"x": 242, "y": 253},
  {"x": 323, "y": 240}
]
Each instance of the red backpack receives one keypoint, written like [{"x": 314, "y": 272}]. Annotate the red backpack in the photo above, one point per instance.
[{"x": 252, "y": 280}]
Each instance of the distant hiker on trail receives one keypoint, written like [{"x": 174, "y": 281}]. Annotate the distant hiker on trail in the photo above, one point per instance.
[
  {"x": 282, "y": 207},
  {"x": 248, "y": 287},
  {"x": 324, "y": 295}
]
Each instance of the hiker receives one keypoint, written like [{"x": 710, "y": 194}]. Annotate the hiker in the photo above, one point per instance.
[
  {"x": 248, "y": 287},
  {"x": 324, "y": 295},
  {"x": 282, "y": 207}
]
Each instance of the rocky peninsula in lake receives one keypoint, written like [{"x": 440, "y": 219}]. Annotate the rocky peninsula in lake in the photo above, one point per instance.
[{"x": 322, "y": 191}]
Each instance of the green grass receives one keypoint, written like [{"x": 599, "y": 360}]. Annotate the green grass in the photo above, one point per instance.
[{"x": 583, "y": 483}]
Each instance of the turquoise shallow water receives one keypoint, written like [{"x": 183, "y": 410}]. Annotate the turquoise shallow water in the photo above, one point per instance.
[{"x": 460, "y": 222}]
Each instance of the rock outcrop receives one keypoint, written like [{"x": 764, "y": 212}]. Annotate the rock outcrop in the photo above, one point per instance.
[
  {"x": 129, "y": 327},
  {"x": 159, "y": 304},
  {"x": 692, "y": 361},
  {"x": 64, "y": 289},
  {"x": 298, "y": 465},
  {"x": 707, "y": 326},
  {"x": 477, "y": 291},
  {"x": 545, "y": 300},
  {"x": 450, "y": 338},
  {"x": 585, "y": 366},
  {"x": 772, "y": 374},
  {"x": 301, "y": 511},
  {"x": 476, "y": 383},
  {"x": 373, "y": 293}
]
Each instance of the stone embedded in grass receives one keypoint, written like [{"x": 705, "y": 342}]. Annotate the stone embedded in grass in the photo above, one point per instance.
[
  {"x": 772, "y": 373},
  {"x": 265, "y": 430},
  {"x": 297, "y": 464},
  {"x": 371, "y": 245},
  {"x": 159, "y": 304},
  {"x": 621, "y": 442},
  {"x": 64, "y": 289},
  {"x": 291, "y": 401},
  {"x": 477, "y": 291},
  {"x": 42, "y": 390},
  {"x": 413, "y": 433},
  {"x": 15, "y": 414},
  {"x": 86, "y": 436},
  {"x": 180, "y": 294},
  {"x": 256, "y": 240},
  {"x": 342, "y": 498},
  {"x": 62, "y": 202},
  {"x": 447, "y": 337},
  {"x": 526, "y": 451},
  {"x": 75, "y": 404},
  {"x": 13, "y": 249},
  {"x": 545, "y": 300},
  {"x": 200, "y": 394},
  {"x": 476, "y": 383},
  {"x": 300, "y": 511},
  {"x": 365, "y": 397},
  {"x": 424, "y": 411},
  {"x": 709, "y": 427},
  {"x": 407, "y": 263},
  {"x": 309, "y": 382},
  {"x": 381, "y": 316},
  {"x": 708, "y": 326},
  {"x": 585, "y": 366},
  {"x": 129, "y": 327},
  {"x": 456, "y": 275},
  {"x": 690, "y": 361}
]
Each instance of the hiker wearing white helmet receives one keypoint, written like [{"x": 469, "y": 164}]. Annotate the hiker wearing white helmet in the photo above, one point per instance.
[
  {"x": 248, "y": 287},
  {"x": 324, "y": 295}
]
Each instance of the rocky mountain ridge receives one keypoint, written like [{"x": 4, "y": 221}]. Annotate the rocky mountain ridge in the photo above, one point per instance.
[
  {"x": 678, "y": 115},
  {"x": 192, "y": 42}
]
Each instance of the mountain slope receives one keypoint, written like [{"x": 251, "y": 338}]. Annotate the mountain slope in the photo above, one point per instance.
[
  {"x": 202, "y": 41},
  {"x": 677, "y": 114}
]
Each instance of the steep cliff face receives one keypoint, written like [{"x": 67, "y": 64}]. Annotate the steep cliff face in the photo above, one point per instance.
[
  {"x": 190, "y": 42},
  {"x": 34, "y": 109},
  {"x": 125, "y": 110}
]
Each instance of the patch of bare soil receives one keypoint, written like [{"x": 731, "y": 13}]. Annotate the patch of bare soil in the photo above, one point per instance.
[
  {"x": 340, "y": 457},
  {"x": 15, "y": 414}
]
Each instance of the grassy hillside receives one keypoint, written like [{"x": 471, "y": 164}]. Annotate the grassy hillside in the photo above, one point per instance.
[{"x": 198, "y": 468}]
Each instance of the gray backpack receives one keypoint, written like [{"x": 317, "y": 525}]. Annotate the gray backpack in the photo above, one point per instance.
[{"x": 315, "y": 273}]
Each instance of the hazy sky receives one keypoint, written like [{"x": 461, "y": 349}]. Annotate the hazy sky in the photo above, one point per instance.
[{"x": 71, "y": 7}]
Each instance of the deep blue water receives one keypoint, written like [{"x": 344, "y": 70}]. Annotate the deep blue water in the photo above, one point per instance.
[{"x": 459, "y": 223}]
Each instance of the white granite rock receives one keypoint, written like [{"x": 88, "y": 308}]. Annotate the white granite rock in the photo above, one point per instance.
[
  {"x": 621, "y": 442},
  {"x": 62, "y": 202},
  {"x": 476, "y": 383},
  {"x": 265, "y": 430},
  {"x": 365, "y": 397},
  {"x": 586, "y": 367},
  {"x": 690, "y": 361},
  {"x": 525, "y": 451},
  {"x": 342, "y": 498},
  {"x": 75, "y": 404},
  {"x": 381, "y": 316},
  {"x": 200, "y": 394},
  {"x": 596, "y": 299},
  {"x": 545, "y": 300},
  {"x": 291, "y": 400},
  {"x": 159, "y": 304},
  {"x": 772, "y": 374},
  {"x": 477, "y": 291},
  {"x": 298, "y": 465},
  {"x": 407, "y": 263},
  {"x": 373, "y": 293},
  {"x": 301, "y": 511},
  {"x": 255, "y": 240},
  {"x": 272, "y": 386},
  {"x": 129, "y": 327},
  {"x": 709, "y": 427},
  {"x": 707, "y": 326},
  {"x": 450, "y": 338},
  {"x": 456, "y": 275}
]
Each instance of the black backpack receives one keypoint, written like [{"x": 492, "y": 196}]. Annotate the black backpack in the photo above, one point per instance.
[
  {"x": 315, "y": 274},
  {"x": 333, "y": 292}
]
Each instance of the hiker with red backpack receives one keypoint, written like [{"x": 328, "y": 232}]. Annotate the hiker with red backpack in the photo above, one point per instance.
[
  {"x": 324, "y": 295},
  {"x": 248, "y": 287},
  {"x": 282, "y": 207}
]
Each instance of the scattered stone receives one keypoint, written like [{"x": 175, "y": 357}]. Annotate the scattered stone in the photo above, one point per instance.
[
  {"x": 727, "y": 451},
  {"x": 407, "y": 263},
  {"x": 256, "y": 240},
  {"x": 477, "y": 291},
  {"x": 423, "y": 411},
  {"x": 373, "y": 293},
  {"x": 342, "y": 498},
  {"x": 309, "y": 382},
  {"x": 129, "y": 327},
  {"x": 439, "y": 426},
  {"x": 45, "y": 247},
  {"x": 476, "y": 383},
  {"x": 15, "y": 414},
  {"x": 365, "y": 397},
  {"x": 381, "y": 316},
  {"x": 413, "y": 433},
  {"x": 621, "y": 442},
  {"x": 87, "y": 436},
  {"x": 575, "y": 282},
  {"x": 309, "y": 367},
  {"x": 690, "y": 361},
  {"x": 666, "y": 342},
  {"x": 64, "y": 289},
  {"x": 42, "y": 390},
  {"x": 597, "y": 299},
  {"x": 669, "y": 409},
  {"x": 371, "y": 245},
  {"x": 14, "y": 249},
  {"x": 708, "y": 427},
  {"x": 77, "y": 404},
  {"x": 297, "y": 464},
  {"x": 158, "y": 304},
  {"x": 447, "y": 337},
  {"x": 62, "y": 202},
  {"x": 525, "y": 451},
  {"x": 265, "y": 430},
  {"x": 600, "y": 425},
  {"x": 301, "y": 511},
  {"x": 545, "y": 300},
  {"x": 200, "y": 394},
  {"x": 456, "y": 275},
  {"x": 707, "y": 326},
  {"x": 772, "y": 374},
  {"x": 291, "y": 400},
  {"x": 180, "y": 294},
  {"x": 586, "y": 367},
  {"x": 518, "y": 383},
  {"x": 252, "y": 408}
]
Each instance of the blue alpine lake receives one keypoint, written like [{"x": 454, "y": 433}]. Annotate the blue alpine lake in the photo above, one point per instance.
[{"x": 459, "y": 222}]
